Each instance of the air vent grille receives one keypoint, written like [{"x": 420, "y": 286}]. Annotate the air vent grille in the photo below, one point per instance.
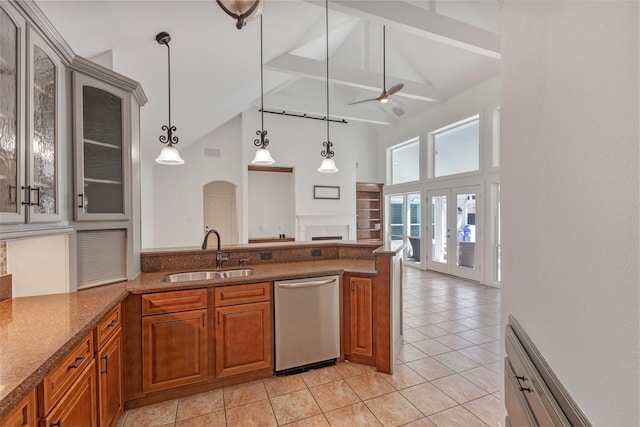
[
  {"x": 102, "y": 257},
  {"x": 212, "y": 152}
]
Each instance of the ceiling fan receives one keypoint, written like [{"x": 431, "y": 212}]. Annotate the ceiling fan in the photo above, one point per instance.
[{"x": 384, "y": 96}]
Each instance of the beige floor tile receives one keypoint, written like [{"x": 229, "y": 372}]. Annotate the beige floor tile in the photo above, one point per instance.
[
  {"x": 200, "y": 404},
  {"x": 459, "y": 388},
  {"x": 415, "y": 321},
  {"x": 428, "y": 399},
  {"x": 393, "y": 409},
  {"x": 474, "y": 336},
  {"x": 158, "y": 414},
  {"x": 430, "y": 369},
  {"x": 351, "y": 416},
  {"x": 411, "y": 335},
  {"x": 252, "y": 414},
  {"x": 244, "y": 393},
  {"x": 495, "y": 367},
  {"x": 456, "y": 361},
  {"x": 453, "y": 327},
  {"x": 484, "y": 378},
  {"x": 431, "y": 347},
  {"x": 369, "y": 385},
  {"x": 122, "y": 419},
  {"x": 432, "y": 331},
  {"x": 294, "y": 406},
  {"x": 315, "y": 421},
  {"x": 403, "y": 377},
  {"x": 276, "y": 386},
  {"x": 213, "y": 419},
  {"x": 486, "y": 408},
  {"x": 454, "y": 342},
  {"x": 422, "y": 422},
  {"x": 320, "y": 376},
  {"x": 456, "y": 417},
  {"x": 409, "y": 353},
  {"x": 493, "y": 346},
  {"x": 334, "y": 395},
  {"x": 349, "y": 369},
  {"x": 480, "y": 355}
]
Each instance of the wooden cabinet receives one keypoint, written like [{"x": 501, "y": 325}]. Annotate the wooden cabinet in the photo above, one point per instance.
[
  {"x": 67, "y": 395},
  {"x": 369, "y": 209},
  {"x": 109, "y": 362},
  {"x": 25, "y": 414},
  {"x": 174, "y": 344},
  {"x": 360, "y": 316},
  {"x": 243, "y": 329},
  {"x": 32, "y": 119}
]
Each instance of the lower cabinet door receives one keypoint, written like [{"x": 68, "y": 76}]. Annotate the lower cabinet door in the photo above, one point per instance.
[
  {"x": 360, "y": 316},
  {"x": 110, "y": 397},
  {"x": 77, "y": 407},
  {"x": 174, "y": 350},
  {"x": 244, "y": 341}
]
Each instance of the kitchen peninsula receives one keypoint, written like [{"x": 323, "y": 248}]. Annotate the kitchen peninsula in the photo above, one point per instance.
[{"x": 370, "y": 332}]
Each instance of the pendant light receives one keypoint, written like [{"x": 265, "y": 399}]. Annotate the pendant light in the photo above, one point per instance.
[
  {"x": 242, "y": 10},
  {"x": 328, "y": 164},
  {"x": 169, "y": 154},
  {"x": 263, "y": 157}
]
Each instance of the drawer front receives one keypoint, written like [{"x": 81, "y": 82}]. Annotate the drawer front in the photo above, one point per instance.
[
  {"x": 24, "y": 414},
  {"x": 174, "y": 301},
  {"x": 108, "y": 326},
  {"x": 520, "y": 414},
  {"x": 242, "y": 294},
  {"x": 58, "y": 381},
  {"x": 78, "y": 406}
]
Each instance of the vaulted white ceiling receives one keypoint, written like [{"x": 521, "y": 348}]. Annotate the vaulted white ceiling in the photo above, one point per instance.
[{"x": 437, "y": 48}]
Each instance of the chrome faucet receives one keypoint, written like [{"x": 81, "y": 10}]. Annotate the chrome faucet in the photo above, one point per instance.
[{"x": 220, "y": 259}]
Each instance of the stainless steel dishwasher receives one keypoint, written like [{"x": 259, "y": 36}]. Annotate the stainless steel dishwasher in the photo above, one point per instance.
[{"x": 307, "y": 323}]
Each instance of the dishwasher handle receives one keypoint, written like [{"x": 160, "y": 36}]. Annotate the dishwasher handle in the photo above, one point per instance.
[{"x": 305, "y": 284}]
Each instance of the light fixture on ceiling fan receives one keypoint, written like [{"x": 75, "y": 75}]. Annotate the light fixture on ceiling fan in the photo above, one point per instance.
[
  {"x": 384, "y": 96},
  {"x": 242, "y": 10}
]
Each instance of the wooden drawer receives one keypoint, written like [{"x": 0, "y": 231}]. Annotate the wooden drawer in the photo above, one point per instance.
[
  {"x": 242, "y": 294},
  {"x": 174, "y": 301},
  {"x": 24, "y": 414},
  {"x": 108, "y": 326},
  {"x": 78, "y": 406},
  {"x": 58, "y": 381}
]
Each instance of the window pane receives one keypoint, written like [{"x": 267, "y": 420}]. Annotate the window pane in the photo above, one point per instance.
[
  {"x": 405, "y": 163},
  {"x": 396, "y": 217},
  {"x": 457, "y": 150},
  {"x": 8, "y": 114}
]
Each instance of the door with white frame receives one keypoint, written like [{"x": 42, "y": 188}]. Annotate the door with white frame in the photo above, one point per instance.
[
  {"x": 454, "y": 235},
  {"x": 404, "y": 224}
]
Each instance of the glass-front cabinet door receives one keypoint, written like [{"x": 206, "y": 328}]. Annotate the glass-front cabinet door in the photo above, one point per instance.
[
  {"x": 100, "y": 130},
  {"x": 45, "y": 73},
  {"x": 11, "y": 118}
]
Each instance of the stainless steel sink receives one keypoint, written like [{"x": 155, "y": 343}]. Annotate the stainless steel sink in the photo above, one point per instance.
[{"x": 207, "y": 275}]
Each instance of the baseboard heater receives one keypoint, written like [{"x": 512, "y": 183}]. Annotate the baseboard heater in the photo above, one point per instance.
[{"x": 533, "y": 394}]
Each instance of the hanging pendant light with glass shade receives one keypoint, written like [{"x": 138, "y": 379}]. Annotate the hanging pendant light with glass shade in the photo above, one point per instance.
[
  {"x": 169, "y": 154},
  {"x": 242, "y": 10},
  {"x": 263, "y": 157},
  {"x": 328, "y": 165}
]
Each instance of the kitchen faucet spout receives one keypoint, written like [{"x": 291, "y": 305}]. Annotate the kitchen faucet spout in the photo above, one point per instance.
[{"x": 220, "y": 259}]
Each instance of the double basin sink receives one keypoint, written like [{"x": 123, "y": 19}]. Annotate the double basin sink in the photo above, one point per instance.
[{"x": 207, "y": 275}]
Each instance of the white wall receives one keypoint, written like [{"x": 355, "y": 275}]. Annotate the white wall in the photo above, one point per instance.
[
  {"x": 177, "y": 190},
  {"x": 570, "y": 136}
]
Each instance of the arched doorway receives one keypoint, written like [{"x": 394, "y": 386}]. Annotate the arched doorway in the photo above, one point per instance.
[{"x": 219, "y": 201}]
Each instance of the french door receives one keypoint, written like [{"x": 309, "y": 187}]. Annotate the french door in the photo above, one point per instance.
[
  {"x": 454, "y": 232},
  {"x": 404, "y": 224}
]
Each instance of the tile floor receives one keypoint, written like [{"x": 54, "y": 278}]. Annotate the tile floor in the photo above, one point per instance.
[{"x": 448, "y": 374}]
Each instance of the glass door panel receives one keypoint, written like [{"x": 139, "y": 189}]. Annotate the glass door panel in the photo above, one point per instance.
[
  {"x": 396, "y": 217},
  {"x": 466, "y": 224},
  {"x": 413, "y": 230},
  {"x": 439, "y": 233}
]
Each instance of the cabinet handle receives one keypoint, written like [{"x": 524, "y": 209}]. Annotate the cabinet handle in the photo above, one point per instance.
[
  {"x": 520, "y": 385},
  {"x": 81, "y": 205},
  {"x": 28, "y": 202},
  {"x": 218, "y": 318},
  {"x": 37, "y": 190},
  {"x": 113, "y": 323},
  {"x": 13, "y": 200},
  {"x": 59, "y": 424},
  {"x": 106, "y": 364},
  {"x": 79, "y": 361}
]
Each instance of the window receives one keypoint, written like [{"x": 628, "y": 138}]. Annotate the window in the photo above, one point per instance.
[
  {"x": 405, "y": 162},
  {"x": 457, "y": 148},
  {"x": 396, "y": 217}
]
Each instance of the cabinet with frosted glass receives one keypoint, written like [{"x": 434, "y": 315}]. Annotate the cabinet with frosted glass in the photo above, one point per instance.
[{"x": 32, "y": 118}]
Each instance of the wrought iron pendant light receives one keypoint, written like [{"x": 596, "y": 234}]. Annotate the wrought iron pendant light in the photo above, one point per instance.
[
  {"x": 328, "y": 165},
  {"x": 242, "y": 10},
  {"x": 169, "y": 154},
  {"x": 263, "y": 157}
]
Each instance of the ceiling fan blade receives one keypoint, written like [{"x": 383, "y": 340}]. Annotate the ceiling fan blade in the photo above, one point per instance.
[
  {"x": 366, "y": 100},
  {"x": 395, "y": 88}
]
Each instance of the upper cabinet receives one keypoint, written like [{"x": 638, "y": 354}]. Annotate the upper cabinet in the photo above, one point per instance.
[
  {"x": 32, "y": 119},
  {"x": 102, "y": 135}
]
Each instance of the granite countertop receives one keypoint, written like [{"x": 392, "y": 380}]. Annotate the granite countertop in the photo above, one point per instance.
[{"x": 37, "y": 332}]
